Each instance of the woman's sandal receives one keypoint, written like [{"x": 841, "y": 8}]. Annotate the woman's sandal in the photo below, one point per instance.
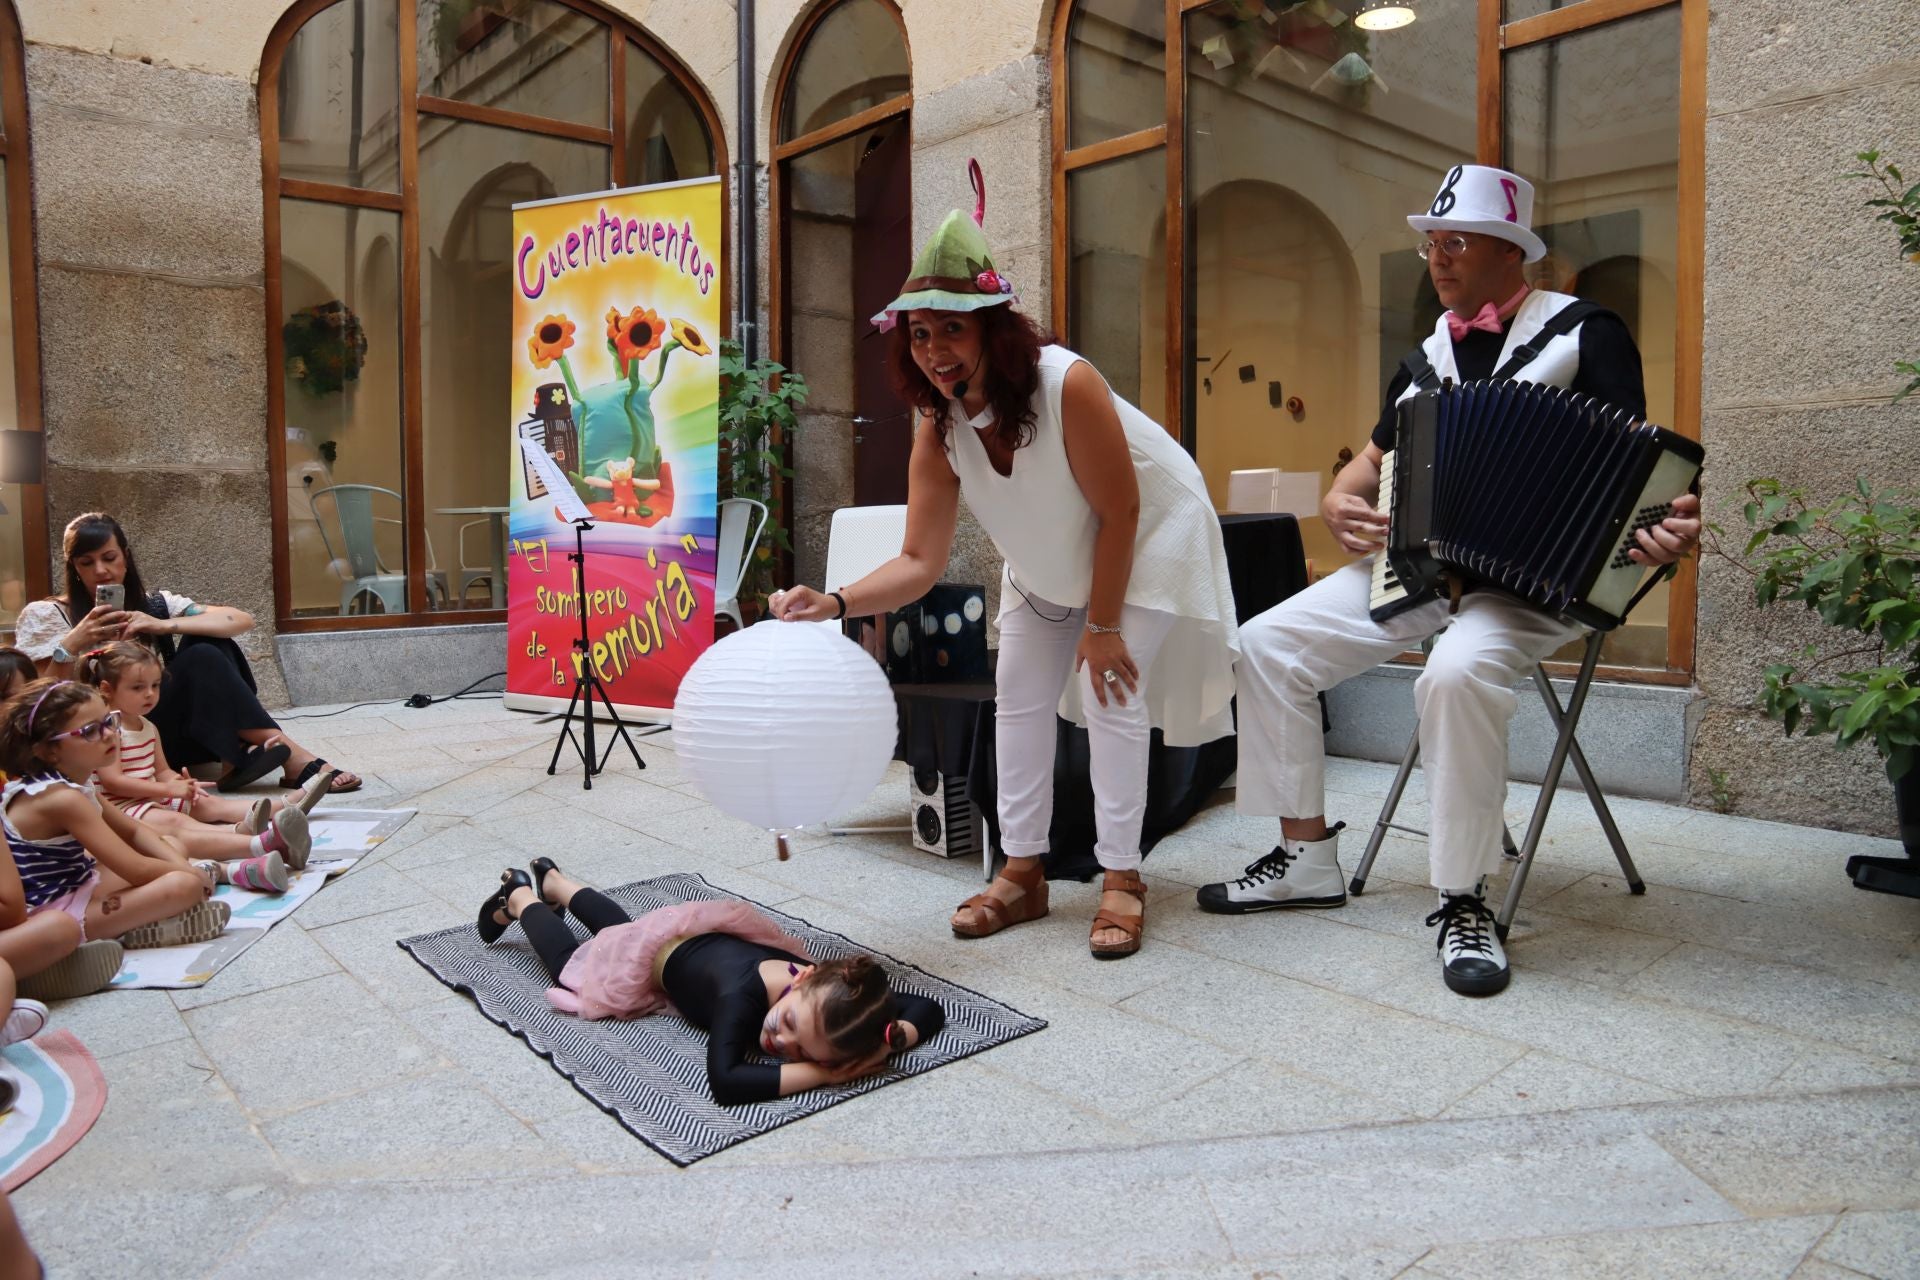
[
  {"x": 510, "y": 879},
  {"x": 1132, "y": 926},
  {"x": 991, "y": 915},
  {"x": 541, "y": 869},
  {"x": 340, "y": 782}
]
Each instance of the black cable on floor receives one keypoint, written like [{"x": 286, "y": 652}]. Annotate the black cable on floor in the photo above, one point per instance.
[{"x": 414, "y": 700}]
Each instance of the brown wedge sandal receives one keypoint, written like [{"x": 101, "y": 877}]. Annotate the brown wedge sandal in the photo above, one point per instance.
[
  {"x": 990, "y": 915},
  {"x": 1132, "y": 926}
]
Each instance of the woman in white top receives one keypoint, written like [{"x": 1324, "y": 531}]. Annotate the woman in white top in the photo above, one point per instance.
[
  {"x": 209, "y": 708},
  {"x": 1115, "y": 568}
]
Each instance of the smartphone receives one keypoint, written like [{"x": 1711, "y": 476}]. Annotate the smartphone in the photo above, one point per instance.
[{"x": 111, "y": 594}]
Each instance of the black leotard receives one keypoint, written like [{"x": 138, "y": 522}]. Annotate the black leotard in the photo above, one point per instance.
[{"x": 714, "y": 979}]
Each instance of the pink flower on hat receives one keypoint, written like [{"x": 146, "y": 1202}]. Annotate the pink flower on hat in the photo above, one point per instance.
[{"x": 989, "y": 281}]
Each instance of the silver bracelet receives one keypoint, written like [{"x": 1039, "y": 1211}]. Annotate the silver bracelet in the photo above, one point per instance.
[{"x": 1094, "y": 628}]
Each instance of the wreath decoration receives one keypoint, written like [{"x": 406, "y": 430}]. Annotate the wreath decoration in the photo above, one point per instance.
[{"x": 325, "y": 348}]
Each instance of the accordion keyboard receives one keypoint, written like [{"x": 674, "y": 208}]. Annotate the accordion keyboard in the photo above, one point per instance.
[{"x": 1387, "y": 589}]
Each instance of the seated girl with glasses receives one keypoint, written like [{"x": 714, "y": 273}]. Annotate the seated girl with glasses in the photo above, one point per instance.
[
  {"x": 724, "y": 967},
  {"x": 53, "y": 735}
]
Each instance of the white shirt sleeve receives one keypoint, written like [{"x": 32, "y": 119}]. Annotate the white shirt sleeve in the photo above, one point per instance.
[
  {"x": 39, "y": 628},
  {"x": 178, "y": 606}
]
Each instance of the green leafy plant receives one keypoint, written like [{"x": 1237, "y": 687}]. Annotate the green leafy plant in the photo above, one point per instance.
[
  {"x": 1901, "y": 209},
  {"x": 759, "y": 412},
  {"x": 1853, "y": 562}
]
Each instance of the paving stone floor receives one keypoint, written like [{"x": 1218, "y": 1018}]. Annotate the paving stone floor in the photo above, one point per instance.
[{"x": 1720, "y": 1078}]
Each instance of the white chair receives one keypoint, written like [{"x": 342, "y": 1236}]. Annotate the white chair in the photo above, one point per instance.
[
  {"x": 735, "y": 549},
  {"x": 860, "y": 541}
]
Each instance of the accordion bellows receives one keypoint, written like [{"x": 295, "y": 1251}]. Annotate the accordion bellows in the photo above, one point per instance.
[{"x": 1528, "y": 489}]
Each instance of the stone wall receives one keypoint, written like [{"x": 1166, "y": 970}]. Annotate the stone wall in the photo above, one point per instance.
[
  {"x": 1807, "y": 308},
  {"x": 152, "y": 337}
]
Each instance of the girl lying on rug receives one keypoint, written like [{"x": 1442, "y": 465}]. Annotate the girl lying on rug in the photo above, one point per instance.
[{"x": 724, "y": 967}]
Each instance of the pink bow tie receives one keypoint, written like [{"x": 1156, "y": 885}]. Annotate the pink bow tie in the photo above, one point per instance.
[{"x": 1488, "y": 319}]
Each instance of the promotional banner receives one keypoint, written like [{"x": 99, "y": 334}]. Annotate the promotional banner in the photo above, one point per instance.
[{"x": 616, "y": 302}]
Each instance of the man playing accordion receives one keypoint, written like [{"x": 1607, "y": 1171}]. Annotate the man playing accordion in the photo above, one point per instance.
[{"x": 1477, "y": 239}]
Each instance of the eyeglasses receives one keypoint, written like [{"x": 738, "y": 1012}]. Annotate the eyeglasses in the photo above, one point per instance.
[
  {"x": 91, "y": 730},
  {"x": 1452, "y": 246}
]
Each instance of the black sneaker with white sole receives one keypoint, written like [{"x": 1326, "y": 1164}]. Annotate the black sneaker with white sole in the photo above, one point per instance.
[
  {"x": 1298, "y": 873},
  {"x": 1471, "y": 958}
]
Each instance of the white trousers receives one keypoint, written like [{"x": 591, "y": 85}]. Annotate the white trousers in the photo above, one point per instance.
[
  {"x": 1037, "y": 644},
  {"x": 1464, "y": 698}
]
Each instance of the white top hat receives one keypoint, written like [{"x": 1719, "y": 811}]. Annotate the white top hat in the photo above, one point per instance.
[{"x": 1492, "y": 202}]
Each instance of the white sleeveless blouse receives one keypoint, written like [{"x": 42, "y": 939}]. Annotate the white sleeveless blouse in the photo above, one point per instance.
[{"x": 1044, "y": 529}]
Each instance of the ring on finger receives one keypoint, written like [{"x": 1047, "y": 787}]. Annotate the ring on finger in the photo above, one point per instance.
[{"x": 1111, "y": 677}]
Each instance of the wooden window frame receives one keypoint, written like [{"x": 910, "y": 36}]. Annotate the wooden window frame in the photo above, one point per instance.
[
  {"x": 780, "y": 338},
  {"x": 24, "y": 291},
  {"x": 1495, "y": 39},
  {"x": 406, "y": 202}
]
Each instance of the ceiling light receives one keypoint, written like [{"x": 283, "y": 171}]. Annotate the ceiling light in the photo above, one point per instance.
[{"x": 1384, "y": 15}]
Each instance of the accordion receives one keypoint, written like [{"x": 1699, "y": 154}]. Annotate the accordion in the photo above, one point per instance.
[{"x": 1526, "y": 489}]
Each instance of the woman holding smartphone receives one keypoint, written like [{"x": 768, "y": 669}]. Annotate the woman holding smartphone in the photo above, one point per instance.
[{"x": 209, "y": 706}]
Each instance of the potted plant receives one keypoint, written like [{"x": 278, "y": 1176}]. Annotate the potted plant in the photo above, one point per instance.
[
  {"x": 1854, "y": 561},
  {"x": 759, "y": 411}
]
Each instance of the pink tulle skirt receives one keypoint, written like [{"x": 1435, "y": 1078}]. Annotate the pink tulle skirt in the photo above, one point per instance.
[{"x": 611, "y": 975}]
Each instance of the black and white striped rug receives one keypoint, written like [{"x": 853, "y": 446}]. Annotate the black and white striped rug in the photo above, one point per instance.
[{"x": 651, "y": 1073}]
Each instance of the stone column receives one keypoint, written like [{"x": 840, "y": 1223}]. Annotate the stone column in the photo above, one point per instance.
[
  {"x": 153, "y": 342},
  {"x": 1807, "y": 307}
]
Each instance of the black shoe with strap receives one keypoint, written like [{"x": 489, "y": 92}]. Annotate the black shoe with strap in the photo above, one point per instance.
[
  {"x": 1471, "y": 958},
  {"x": 510, "y": 879}
]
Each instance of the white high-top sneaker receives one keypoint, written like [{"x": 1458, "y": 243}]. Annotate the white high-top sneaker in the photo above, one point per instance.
[
  {"x": 1471, "y": 958},
  {"x": 1298, "y": 873}
]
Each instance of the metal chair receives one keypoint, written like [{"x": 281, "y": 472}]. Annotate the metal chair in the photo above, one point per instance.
[
  {"x": 472, "y": 574},
  {"x": 367, "y": 574},
  {"x": 734, "y": 549},
  {"x": 1565, "y": 746}
]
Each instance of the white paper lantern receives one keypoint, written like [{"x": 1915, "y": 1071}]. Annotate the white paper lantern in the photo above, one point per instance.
[{"x": 785, "y": 725}]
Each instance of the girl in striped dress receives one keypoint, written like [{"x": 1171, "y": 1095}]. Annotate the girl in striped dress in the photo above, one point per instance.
[
  {"x": 232, "y": 841},
  {"x": 142, "y": 890}
]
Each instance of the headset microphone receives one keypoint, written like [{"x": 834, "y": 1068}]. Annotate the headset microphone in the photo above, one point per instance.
[{"x": 960, "y": 387}]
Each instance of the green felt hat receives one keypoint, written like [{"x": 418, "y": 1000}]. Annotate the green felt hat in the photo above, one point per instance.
[{"x": 954, "y": 270}]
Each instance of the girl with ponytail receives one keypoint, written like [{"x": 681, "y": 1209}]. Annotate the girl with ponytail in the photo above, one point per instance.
[{"x": 724, "y": 967}]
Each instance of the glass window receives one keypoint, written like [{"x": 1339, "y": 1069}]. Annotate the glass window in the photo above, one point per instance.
[
  {"x": 345, "y": 475},
  {"x": 471, "y": 176},
  {"x": 1593, "y": 120},
  {"x": 666, "y": 138},
  {"x": 1117, "y": 284},
  {"x": 854, "y": 59},
  {"x": 1518, "y": 9},
  {"x": 339, "y": 99},
  {"x": 537, "y": 57},
  {"x": 352, "y": 498},
  {"x": 1116, "y": 69},
  {"x": 1308, "y": 143}
]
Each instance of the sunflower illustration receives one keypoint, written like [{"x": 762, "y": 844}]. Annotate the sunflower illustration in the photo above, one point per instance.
[
  {"x": 689, "y": 337},
  {"x": 550, "y": 340},
  {"x": 636, "y": 335}
]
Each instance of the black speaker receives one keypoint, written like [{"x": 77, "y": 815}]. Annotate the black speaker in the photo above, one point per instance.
[
  {"x": 940, "y": 638},
  {"x": 945, "y": 822}
]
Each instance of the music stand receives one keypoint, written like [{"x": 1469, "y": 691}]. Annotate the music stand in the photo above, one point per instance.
[{"x": 586, "y": 681}]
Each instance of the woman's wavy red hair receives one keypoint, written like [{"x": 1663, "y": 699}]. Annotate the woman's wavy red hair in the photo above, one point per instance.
[{"x": 1011, "y": 343}]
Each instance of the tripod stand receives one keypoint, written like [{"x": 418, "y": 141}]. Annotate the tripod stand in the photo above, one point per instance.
[{"x": 586, "y": 682}]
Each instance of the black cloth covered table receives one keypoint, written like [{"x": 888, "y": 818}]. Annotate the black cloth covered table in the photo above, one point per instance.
[{"x": 950, "y": 727}]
